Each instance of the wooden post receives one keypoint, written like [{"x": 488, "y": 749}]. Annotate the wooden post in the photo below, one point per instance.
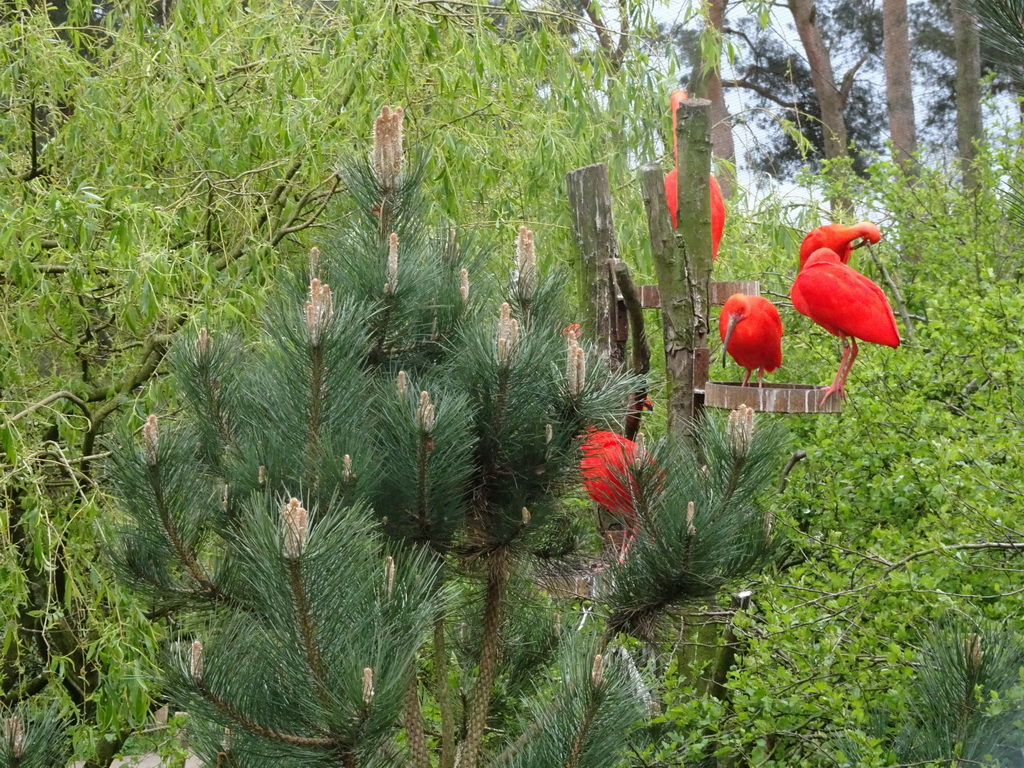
[
  {"x": 682, "y": 261},
  {"x": 590, "y": 206},
  {"x": 641, "y": 359}
]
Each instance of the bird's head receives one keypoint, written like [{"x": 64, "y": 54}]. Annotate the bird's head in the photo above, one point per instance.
[
  {"x": 840, "y": 239},
  {"x": 734, "y": 311},
  {"x": 864, "y": 233},
  {"x": 678, "y": 96}
]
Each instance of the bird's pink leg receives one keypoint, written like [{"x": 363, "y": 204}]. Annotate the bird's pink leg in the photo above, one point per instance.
[
  {"x": 627, "y": 542},
  {"x": 746, "y": 378},
  {"x": 837, "y": 382},
  {"x": 760, "y": 378},
  {"x": 849, "y": 365}
]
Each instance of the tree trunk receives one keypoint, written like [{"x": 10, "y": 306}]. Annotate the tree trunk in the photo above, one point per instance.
[
  {"x": 967, "y": 48},
  {"x": 830, "y": 98},
  {"x": 710, "y": 87},
  {"x": 682, "y": 262},
  {"x": 590, "y": 208},
  {"x": 898, "y": 85}
]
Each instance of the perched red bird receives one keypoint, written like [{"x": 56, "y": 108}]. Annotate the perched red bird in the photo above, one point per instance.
[
  {"x": 671, "y": 186},
  {"x": 608, "y": 479},
  {"x": 838, "y": 238},
  {"x": 847, "y": 305},
  {"x": 751, "y": 331},
  {"x": 608, "y": 466}
]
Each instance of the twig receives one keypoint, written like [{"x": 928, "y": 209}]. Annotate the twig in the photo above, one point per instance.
[
  {"x": 896, "y": 295},
  {"x": 796, "y": 457}
]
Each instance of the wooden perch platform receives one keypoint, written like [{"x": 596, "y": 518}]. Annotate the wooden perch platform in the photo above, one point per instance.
[{"x": 772, "y": 398}]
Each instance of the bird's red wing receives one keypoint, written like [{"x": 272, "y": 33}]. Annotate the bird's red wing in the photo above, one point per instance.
[
  {"x": 772, "y": 328},
  {"x": 671, "y": 192},
  {"x": 842, "y": 300},
  {"x": 607, "y": 476},
  {"x": 717, "y": 216}
]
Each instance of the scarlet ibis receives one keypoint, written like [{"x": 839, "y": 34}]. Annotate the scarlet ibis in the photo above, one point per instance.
[
  {"x": 751, "y": 331},
  {"x": 847, "y": 305},
  {"x": 608, "y": 465},
  {"x": 671, "y": 186},
  {"x": 838, "y": 238}
]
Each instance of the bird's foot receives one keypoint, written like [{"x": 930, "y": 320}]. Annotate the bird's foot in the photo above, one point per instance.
[{"x": 833, "y": 390}]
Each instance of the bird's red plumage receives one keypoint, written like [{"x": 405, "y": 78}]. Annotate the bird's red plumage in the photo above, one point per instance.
[
  {"x": 837, "y": 238},
  {"x": 671, "y": 186},
  {"x": 843, "y": 301},
  {"x": 756, "y": 339},
  {"x": 608, "y": 479},
  {"x": 717, "y": 207}
]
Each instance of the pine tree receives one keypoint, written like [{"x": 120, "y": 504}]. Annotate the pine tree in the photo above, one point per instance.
[
  {"x": 964, "y": 705},
  {"x": 38, "y": 741},
  {"x": 355, "y": 520}
]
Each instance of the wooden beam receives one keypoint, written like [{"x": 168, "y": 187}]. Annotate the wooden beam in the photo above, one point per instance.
[{"x": 650, "y": 296}]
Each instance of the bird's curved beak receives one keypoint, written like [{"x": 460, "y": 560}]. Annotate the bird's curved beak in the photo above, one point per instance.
[
  {"x": 860, "y": 241},
  {"x": 733, "y": 319}
]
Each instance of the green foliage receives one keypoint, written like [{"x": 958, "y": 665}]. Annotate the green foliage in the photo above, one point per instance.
[
  {"x": 157, "y": 169},
  {"x": 671, "y": 564}
]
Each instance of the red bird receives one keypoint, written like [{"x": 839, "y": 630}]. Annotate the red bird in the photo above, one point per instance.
[
  {"x": 671, "y": 187},
  {"x": 847, "y": 305},
  {"x": 608, "y": 465},
  {"x": 751, "y": 331},
  {"x": 838, "y": 238}
]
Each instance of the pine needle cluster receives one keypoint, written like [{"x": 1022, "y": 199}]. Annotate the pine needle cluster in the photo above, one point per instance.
[{"x": 347, "y": 515}]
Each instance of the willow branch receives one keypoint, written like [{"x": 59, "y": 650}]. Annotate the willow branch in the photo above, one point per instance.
[{"x": 62, "y": 395}]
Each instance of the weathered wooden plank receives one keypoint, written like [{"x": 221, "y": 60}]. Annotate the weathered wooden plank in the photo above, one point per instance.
[
  {"x": 721, "y": 290},
  {"x": 771, "y": 398},
  {"x": 650, "y": 296}
]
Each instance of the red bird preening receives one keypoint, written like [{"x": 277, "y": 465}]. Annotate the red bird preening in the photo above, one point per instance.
[
  {"x": 847, "y": 305},
  {"x": 838, "y": 238},
  {"x": 671, "y": 186},
  {"x": 751, "y": 331}
]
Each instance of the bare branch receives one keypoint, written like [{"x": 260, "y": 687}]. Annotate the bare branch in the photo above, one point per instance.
[
  {"x": 599, "y": 27},
  {"x": 759, "y": 90},
  {"x": 847, "y": 85}
]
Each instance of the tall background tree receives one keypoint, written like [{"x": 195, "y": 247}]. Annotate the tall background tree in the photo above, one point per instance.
[
  {"x": 899, "y": 83},
  {"x": 967, "y": 48},
  {"x": 857, "y": 50}
]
